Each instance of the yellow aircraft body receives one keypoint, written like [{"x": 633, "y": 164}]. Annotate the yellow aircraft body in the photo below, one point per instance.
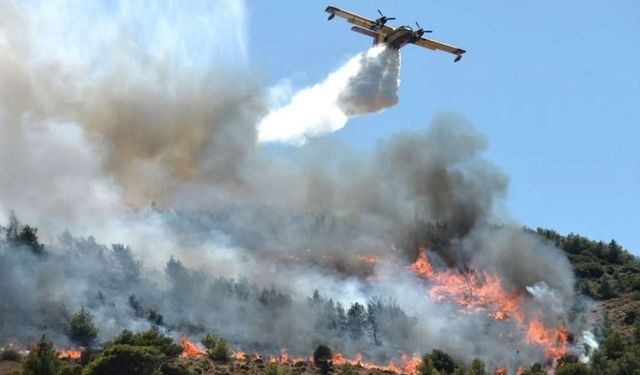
[{"x": 393, "y": 37}]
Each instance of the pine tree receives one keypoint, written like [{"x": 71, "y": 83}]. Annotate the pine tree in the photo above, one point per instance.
[
  {"x": 43, "y": 359},
  {"x": 81, "y": 328}
]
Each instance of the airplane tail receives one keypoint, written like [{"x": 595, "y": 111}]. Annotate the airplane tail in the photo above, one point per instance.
[{"x": 366, "y": 32}]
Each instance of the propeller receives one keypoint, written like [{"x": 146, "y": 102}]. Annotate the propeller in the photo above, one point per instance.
[
  {"x": 383, "y": 19},
  {"x": 421, "y": 30}
]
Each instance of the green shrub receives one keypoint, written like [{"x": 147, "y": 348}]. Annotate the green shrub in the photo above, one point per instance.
[
  {"x": 590, "y": 270},
  {"x": 322, "y": 358},
  {"x": 151, "y": 338},
  {"x": 606, "y": 291},
  {"x": 614, "y": 345},
  {"x": 443, "y": 362},
  {"x": 122, "y": 359},
  {"x": 573, "y": 369},
  {"x": 322, "y": 354},
  {"x": 43, "y": 359},
  {"x": 348, "y": 370},
  {"x": 629, "y": 363},
  {"x": 221, "y": 352},
  {"x": 273, "y": 369},
  {"x": 70, "y": 369},
  {"x": 477, "y": 367},
  {"x": 81, "y": 328},
  {"x": 209, "y": 341},
  {"x": 10, "y": 355},
  {"x": 218, "y": 347},
  {"x": 535, "y": 369},
  {"x": 426, "y": 367},
  {"x": 630, "y": 317},
  {"x": 87, "y": 356},
  {"x": 23, "y": 236},
  {"x": 176, "y": 368}
]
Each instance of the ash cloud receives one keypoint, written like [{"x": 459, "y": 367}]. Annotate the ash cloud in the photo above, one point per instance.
[{"x": 87, "y": 147}]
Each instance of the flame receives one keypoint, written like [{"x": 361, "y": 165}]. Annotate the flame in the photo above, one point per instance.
[
  {"x": 421, "y": 267},
  {"x": 473, "y": 290},
  {"x": 239, "y": 356},
  {"x": 69, "y": 354},
  {"x": 476, "y": 291},
  {"x": 190, "y": 350},
  {"x": 338, "y": 359},
  {"x": 284, "y": 357},
  {"x": 408, "y": 364},
  {"x": 553, "y": 340}
]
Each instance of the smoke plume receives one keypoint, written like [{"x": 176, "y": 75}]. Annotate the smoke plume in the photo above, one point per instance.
[
  {"x": 367, "y": 83},
  {"x": 140, "y": 161}
]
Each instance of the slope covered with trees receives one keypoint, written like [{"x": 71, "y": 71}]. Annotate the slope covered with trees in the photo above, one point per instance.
[
  {"x": 604, "y": 271},
  {"x": 607, "y": 273}
]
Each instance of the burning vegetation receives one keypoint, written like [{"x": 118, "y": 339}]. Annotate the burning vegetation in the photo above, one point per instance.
[
  {"x": 471, "y": 292},
  {"x": 477, "y": 291},
  {"x": 375, "y": 335}
]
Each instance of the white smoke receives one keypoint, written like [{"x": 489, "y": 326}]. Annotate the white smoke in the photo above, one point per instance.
[
  {"x": 546, "y": 296},
  {"x": 588, "y": 344},
  {"x": 367, "y": 83}
]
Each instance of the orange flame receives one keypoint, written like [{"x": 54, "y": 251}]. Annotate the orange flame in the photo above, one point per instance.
[
  {"x": 421, "y": 267},
  {"x": 239, "y": 356},
  {"x": 190, "y": 350},
  {"x": 478, "y": 291},
  {"x": 472, "y": 290},
  {"x": 408, "y": 364},
  {"x": 69, "y": 354},
  {"x": 553, "y": 340}
]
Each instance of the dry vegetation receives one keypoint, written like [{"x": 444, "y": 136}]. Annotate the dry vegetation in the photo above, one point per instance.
[{"x": 9, "y": 367}]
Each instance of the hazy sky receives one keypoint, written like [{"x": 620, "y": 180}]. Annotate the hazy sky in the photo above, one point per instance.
[{"x": 554, "y": 86}]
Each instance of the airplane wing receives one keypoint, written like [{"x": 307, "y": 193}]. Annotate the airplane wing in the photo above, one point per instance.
[
  {"x": 357, "y": 20},
  {"x": 435, "y": 45}
]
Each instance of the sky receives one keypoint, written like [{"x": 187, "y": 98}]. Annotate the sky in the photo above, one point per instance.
[{"x": 554, "y": 86}]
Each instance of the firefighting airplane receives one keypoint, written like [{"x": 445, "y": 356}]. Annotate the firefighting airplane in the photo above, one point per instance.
[{"x": 393, "y": 37}]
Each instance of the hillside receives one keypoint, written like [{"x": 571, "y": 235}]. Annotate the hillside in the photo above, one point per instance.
[{"x": 605, "y": 272}]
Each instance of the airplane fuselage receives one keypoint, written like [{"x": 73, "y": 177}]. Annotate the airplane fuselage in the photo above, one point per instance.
[{"x": 399, "y": 37}]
